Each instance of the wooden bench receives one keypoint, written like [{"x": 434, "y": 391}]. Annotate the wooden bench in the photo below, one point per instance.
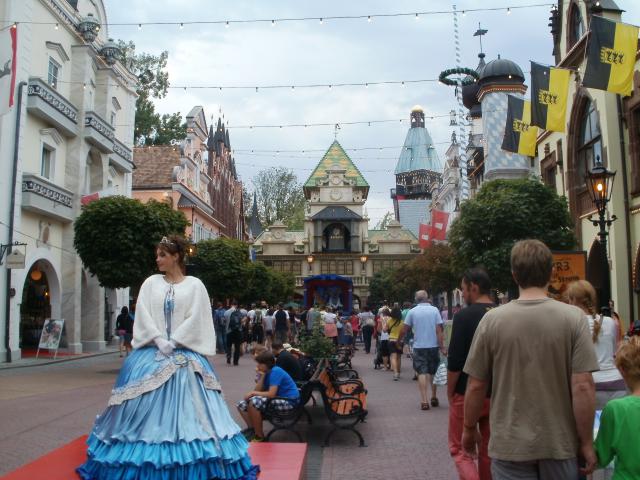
[
  {"x": 345, "y": 403},
  {"x": 287, "y": 419}
]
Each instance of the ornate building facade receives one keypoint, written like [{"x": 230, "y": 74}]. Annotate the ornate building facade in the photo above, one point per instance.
[
  {"x": 67, "y": 138},
  {"x": 598, "y": 124},
  {"x": 196, "y": 176},
  {"x": 336, "y": 240}
]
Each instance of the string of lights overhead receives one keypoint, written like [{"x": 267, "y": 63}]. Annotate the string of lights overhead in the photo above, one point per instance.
[
  {"x": 335, "y": 124},
  {"x": 369, "y": 18}
]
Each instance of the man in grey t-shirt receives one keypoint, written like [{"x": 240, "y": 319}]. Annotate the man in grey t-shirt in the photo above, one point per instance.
[{"x": 428, "y": 342}]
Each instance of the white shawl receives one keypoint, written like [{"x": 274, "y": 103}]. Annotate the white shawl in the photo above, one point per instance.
[{"x": 192, "y": 322}]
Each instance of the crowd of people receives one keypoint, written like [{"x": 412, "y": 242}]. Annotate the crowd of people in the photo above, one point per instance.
[{"x": 524, "y": 379}]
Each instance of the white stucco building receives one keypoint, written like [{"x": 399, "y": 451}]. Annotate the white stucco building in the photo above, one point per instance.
[{"x": 69, "y": 135}]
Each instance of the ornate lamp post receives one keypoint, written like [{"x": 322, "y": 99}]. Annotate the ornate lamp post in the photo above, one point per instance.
[
  {"x": 310, "y": 260},
  {"x": 600, "y": 188},
  {"x": 363, "y": 260}
]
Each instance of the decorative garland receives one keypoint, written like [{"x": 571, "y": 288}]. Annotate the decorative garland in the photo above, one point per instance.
[{"x": 460, "y": 70}]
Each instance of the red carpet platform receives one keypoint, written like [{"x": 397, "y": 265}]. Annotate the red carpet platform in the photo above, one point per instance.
[{"x": 278, "y": 461}]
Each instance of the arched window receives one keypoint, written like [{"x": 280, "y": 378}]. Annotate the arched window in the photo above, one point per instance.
[
  {"x": 336, "y": 238},
  {"x": 576, "y": 25},
  {"x": 589, "y": 142}
]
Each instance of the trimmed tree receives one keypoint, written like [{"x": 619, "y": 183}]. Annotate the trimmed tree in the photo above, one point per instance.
[
  {"x": 224, "y": 267},
  {"x": 503, "y": 212},
  {"x": 116, "y": 237}
]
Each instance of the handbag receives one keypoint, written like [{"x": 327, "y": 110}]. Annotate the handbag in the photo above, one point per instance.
[{"x": 440, "y": 378}]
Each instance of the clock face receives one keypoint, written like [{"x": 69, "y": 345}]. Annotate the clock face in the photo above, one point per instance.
[{"x": 335, "y": 194}]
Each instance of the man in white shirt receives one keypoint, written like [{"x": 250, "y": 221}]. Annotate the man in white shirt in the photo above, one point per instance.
[{"x": 428, "y": 343}]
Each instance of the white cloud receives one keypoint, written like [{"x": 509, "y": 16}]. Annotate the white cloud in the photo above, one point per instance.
[{"x": 337, "y": 51}]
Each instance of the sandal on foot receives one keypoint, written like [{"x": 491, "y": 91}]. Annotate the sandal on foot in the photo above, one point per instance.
[
  {"x": 434, "y": 402},
  {"x": 424, "y": 406}
]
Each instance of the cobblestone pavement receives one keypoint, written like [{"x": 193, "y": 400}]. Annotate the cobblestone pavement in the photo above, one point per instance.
[{"x": 44, "y": 407}]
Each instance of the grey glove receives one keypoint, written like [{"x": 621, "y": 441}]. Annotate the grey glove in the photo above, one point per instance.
[{"x": 165, "y": 346}]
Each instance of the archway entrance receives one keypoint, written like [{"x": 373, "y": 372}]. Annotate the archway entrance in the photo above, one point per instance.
[
  {"x": 35, "y": 307},
  {"x": 598, "y": 272}
]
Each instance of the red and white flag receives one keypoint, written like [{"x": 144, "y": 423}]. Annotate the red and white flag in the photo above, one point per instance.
[
  {"x": 8, "y": 56},
  {"x": 425, "y": 236},
  {"x": 439, "y": 223}
]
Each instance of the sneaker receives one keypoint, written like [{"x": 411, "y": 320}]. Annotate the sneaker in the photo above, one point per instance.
[
  {"x": 228, "y": 359},
  {"x": 396, "y": 377}
]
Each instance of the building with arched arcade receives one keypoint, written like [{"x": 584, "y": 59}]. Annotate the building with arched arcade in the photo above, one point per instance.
[{"x": 68, "y": 138}]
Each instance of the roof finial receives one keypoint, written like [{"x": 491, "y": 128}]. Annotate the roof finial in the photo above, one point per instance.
[
  {"x": 480, "y": 33},
  {"x": 335, "y": 131}
]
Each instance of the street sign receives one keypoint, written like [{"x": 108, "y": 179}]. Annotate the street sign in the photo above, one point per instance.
[{"x": 15, "y": 260}]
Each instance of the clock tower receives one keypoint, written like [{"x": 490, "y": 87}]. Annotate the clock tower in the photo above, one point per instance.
[{"x": 336, "y": 192}]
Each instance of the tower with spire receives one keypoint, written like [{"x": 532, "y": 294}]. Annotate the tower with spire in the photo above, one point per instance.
[
  {"x": 417, "y": 172},
  {"x": 255, "y": 226}
]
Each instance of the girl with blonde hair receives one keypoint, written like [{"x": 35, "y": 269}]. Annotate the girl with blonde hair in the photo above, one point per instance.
[{"x": 609, "y": 382}]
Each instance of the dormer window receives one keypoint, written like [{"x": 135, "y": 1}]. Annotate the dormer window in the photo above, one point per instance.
[{"x": 576, "y": 25}]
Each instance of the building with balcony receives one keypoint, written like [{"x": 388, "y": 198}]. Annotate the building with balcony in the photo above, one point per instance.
[
  {"x": 335, "y": 256},
  {"x": 67, "y": 138},
  {"x": 599, "y": 125},
  {"x": 196, "y": 176}
]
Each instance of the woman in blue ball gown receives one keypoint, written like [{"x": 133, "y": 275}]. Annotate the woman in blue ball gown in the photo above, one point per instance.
[{"x": 166, "y": 417}]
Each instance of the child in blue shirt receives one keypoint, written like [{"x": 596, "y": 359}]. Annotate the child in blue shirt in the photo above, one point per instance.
[{"x": 272, "y": 382}]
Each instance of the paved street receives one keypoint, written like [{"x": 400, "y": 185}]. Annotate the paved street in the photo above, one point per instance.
[{"x": 42, "y": 408}]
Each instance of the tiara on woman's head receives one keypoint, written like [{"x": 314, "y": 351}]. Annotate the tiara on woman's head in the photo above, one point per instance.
[{"x": 166, "y": 241}]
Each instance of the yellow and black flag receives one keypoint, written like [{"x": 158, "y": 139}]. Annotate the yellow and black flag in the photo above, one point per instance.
[
  {"x": 549, "y": 91},
  {"x": 519, "y": 134},
  {"x": 611, "y": 55}
]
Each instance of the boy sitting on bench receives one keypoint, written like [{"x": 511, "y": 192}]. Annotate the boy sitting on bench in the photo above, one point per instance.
[{"x": 272, "y": 382}]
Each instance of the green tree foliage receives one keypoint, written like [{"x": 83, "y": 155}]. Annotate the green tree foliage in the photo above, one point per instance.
[
  {"x": 224, "y": 267},
  {"x": 392, "y": 285},
  {"x": 315, "y": 343},
  {"x": 433, "y": 271},
  {"x": 280, "y": 197},
  {"x": 116, "y": 238},
  {"x": 384, "y": 221},
  {"x": 153, "y": 82},
  {"x": 503, "y": 212}
]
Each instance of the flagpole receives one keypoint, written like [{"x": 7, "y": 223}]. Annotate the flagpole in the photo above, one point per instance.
[{"x": 12, "y": 208}]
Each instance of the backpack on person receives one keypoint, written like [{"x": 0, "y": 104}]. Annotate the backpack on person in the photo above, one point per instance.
[
  {"x": 235, "y": 321},
  {"x": 257, "y": 318}
]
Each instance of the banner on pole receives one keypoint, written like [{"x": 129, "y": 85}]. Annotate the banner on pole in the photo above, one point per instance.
[{"x": 8, "y": 56}]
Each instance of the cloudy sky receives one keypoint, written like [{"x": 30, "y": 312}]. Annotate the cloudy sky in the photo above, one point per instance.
[{"x": 336, "y": 51}]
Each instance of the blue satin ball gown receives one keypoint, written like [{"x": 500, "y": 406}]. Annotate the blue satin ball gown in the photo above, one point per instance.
[{"x": 166, "y": 420}]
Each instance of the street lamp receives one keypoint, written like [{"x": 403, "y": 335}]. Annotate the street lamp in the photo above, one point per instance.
[
  {"x": 600, "y": 189},
  {"x": 363, "y": 260},
  {"x": 310, "y": 262}
]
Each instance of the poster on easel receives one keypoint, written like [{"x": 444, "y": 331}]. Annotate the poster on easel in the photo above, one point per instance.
[{"x": 51, "y": 335}]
